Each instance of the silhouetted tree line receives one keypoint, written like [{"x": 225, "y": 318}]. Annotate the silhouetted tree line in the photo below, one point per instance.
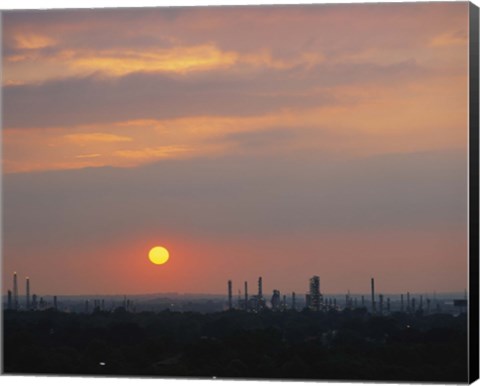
[{"x": 351, "y": 344}]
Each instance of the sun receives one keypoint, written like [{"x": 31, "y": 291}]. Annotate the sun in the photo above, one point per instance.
[{"x": 158, "y": 255}]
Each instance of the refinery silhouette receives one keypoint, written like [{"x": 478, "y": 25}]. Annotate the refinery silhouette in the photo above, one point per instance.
[
  {"x": 313, "y": 300},
  {"x": 314, "y": 335}
]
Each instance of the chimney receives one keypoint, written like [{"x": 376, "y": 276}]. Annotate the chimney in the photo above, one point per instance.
[
  {"x": 246, "y": 295},
  {"x": 28, "y": 293},
  {"x": 229, "y": 294},
  {"x": 373, "y": 294}
]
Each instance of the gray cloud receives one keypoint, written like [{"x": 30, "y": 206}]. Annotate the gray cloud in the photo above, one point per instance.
[
  {"x": 233, "y": 195},
  {"x": 154, "y": 96}
]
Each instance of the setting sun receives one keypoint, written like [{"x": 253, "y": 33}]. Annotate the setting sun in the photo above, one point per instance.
[{"x": 158, "y": 255}]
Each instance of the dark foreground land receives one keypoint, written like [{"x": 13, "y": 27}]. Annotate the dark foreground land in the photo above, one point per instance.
[{"x": 300, "y": 345}]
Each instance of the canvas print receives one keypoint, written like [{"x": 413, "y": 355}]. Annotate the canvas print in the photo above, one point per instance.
[{"x": 249, "y": 192}]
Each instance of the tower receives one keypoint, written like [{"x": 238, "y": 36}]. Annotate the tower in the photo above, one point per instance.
[
  {"x": 28, "y": 293},
  {"x": 372, "y": 282},
  {"x": 246, "y": 295},
  {"x": 260, "y": 288},
  {"x": 15, "y": 292},
  {"x": 315, "y": 293},
  {"x": 9, "y": 300},
  {"x": 276, "y": 300},
  {"x": 229, "y": 294}
]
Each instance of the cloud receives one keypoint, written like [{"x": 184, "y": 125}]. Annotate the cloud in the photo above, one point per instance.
[
  {"x": 33, "y": 42},
  {"x": 149, "y": 154},
  {"x": 85, "y": 138},
  {"x": 458, "y": 38},
  {"x": 159, "y": 96},
  {"x": 176, "y": 60},
  {"x": 95, "y": 155},
  {"x": 264, "y": 138},
  {"x": 258, "y": 195}
]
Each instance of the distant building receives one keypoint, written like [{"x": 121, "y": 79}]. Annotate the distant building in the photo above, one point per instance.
[
  {"x": 276, "y": 301},
  {"x": 260, "y": 304},
  {"x": 315, "y": 300},
  {"x": 308, "y": 301}
]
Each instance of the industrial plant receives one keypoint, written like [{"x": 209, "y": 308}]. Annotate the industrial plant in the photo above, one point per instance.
[
  {"x": 315, "y": 300},
  {"x": 254, "y": 301}
]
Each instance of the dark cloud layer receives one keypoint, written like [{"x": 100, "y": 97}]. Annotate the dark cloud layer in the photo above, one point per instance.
[
  {"x": 232, "y": 196},
  {"x": 154, "y": 96}
]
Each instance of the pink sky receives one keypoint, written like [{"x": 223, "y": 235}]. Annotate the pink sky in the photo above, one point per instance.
[{"x": 276, "y": 141}]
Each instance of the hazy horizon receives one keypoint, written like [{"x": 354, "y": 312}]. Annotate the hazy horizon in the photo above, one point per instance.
[{"x": 273, "y": 141}]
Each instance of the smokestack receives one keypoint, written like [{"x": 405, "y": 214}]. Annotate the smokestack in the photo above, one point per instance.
[
  {"x": 421, "y": 303},
  {"x": 363, "y": 301},
  {"x": 388, "y": 304},
  {"x": 284, "y": 302},
  {"x": 381, "y": 304},
  {"x": 260, "y": 288},
  {"x": 373, "y": 294},
  {"x": 229, "y": 294},
  {"x": 293, "y": 301},
  {"x": 402, "y": 307},
  {"x": 9, "y": 301},
  {"x": 15, "y": 292},
  {"x": 55, "y": 302},
  {"x": 246, "y": 295},
  {"x": 408, "y": 301},
  {"x": 28, "y": 292}
]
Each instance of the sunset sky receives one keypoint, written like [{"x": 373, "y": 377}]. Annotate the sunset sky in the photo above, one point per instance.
[{"x": 276, "y": 141}]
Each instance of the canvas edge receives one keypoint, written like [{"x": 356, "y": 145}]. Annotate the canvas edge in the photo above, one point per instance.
[{"x": 473, "y": 193}]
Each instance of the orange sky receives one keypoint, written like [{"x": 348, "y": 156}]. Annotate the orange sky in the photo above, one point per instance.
[{"x": 277, "y": 141}]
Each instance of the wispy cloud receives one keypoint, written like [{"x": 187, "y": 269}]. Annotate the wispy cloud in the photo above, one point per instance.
[
  {"x": 33, "y": 42},
  {"x": 150, "y": 153},
  {"x": 86, "y": 138},
  {"x": 95, "y": 155}
]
